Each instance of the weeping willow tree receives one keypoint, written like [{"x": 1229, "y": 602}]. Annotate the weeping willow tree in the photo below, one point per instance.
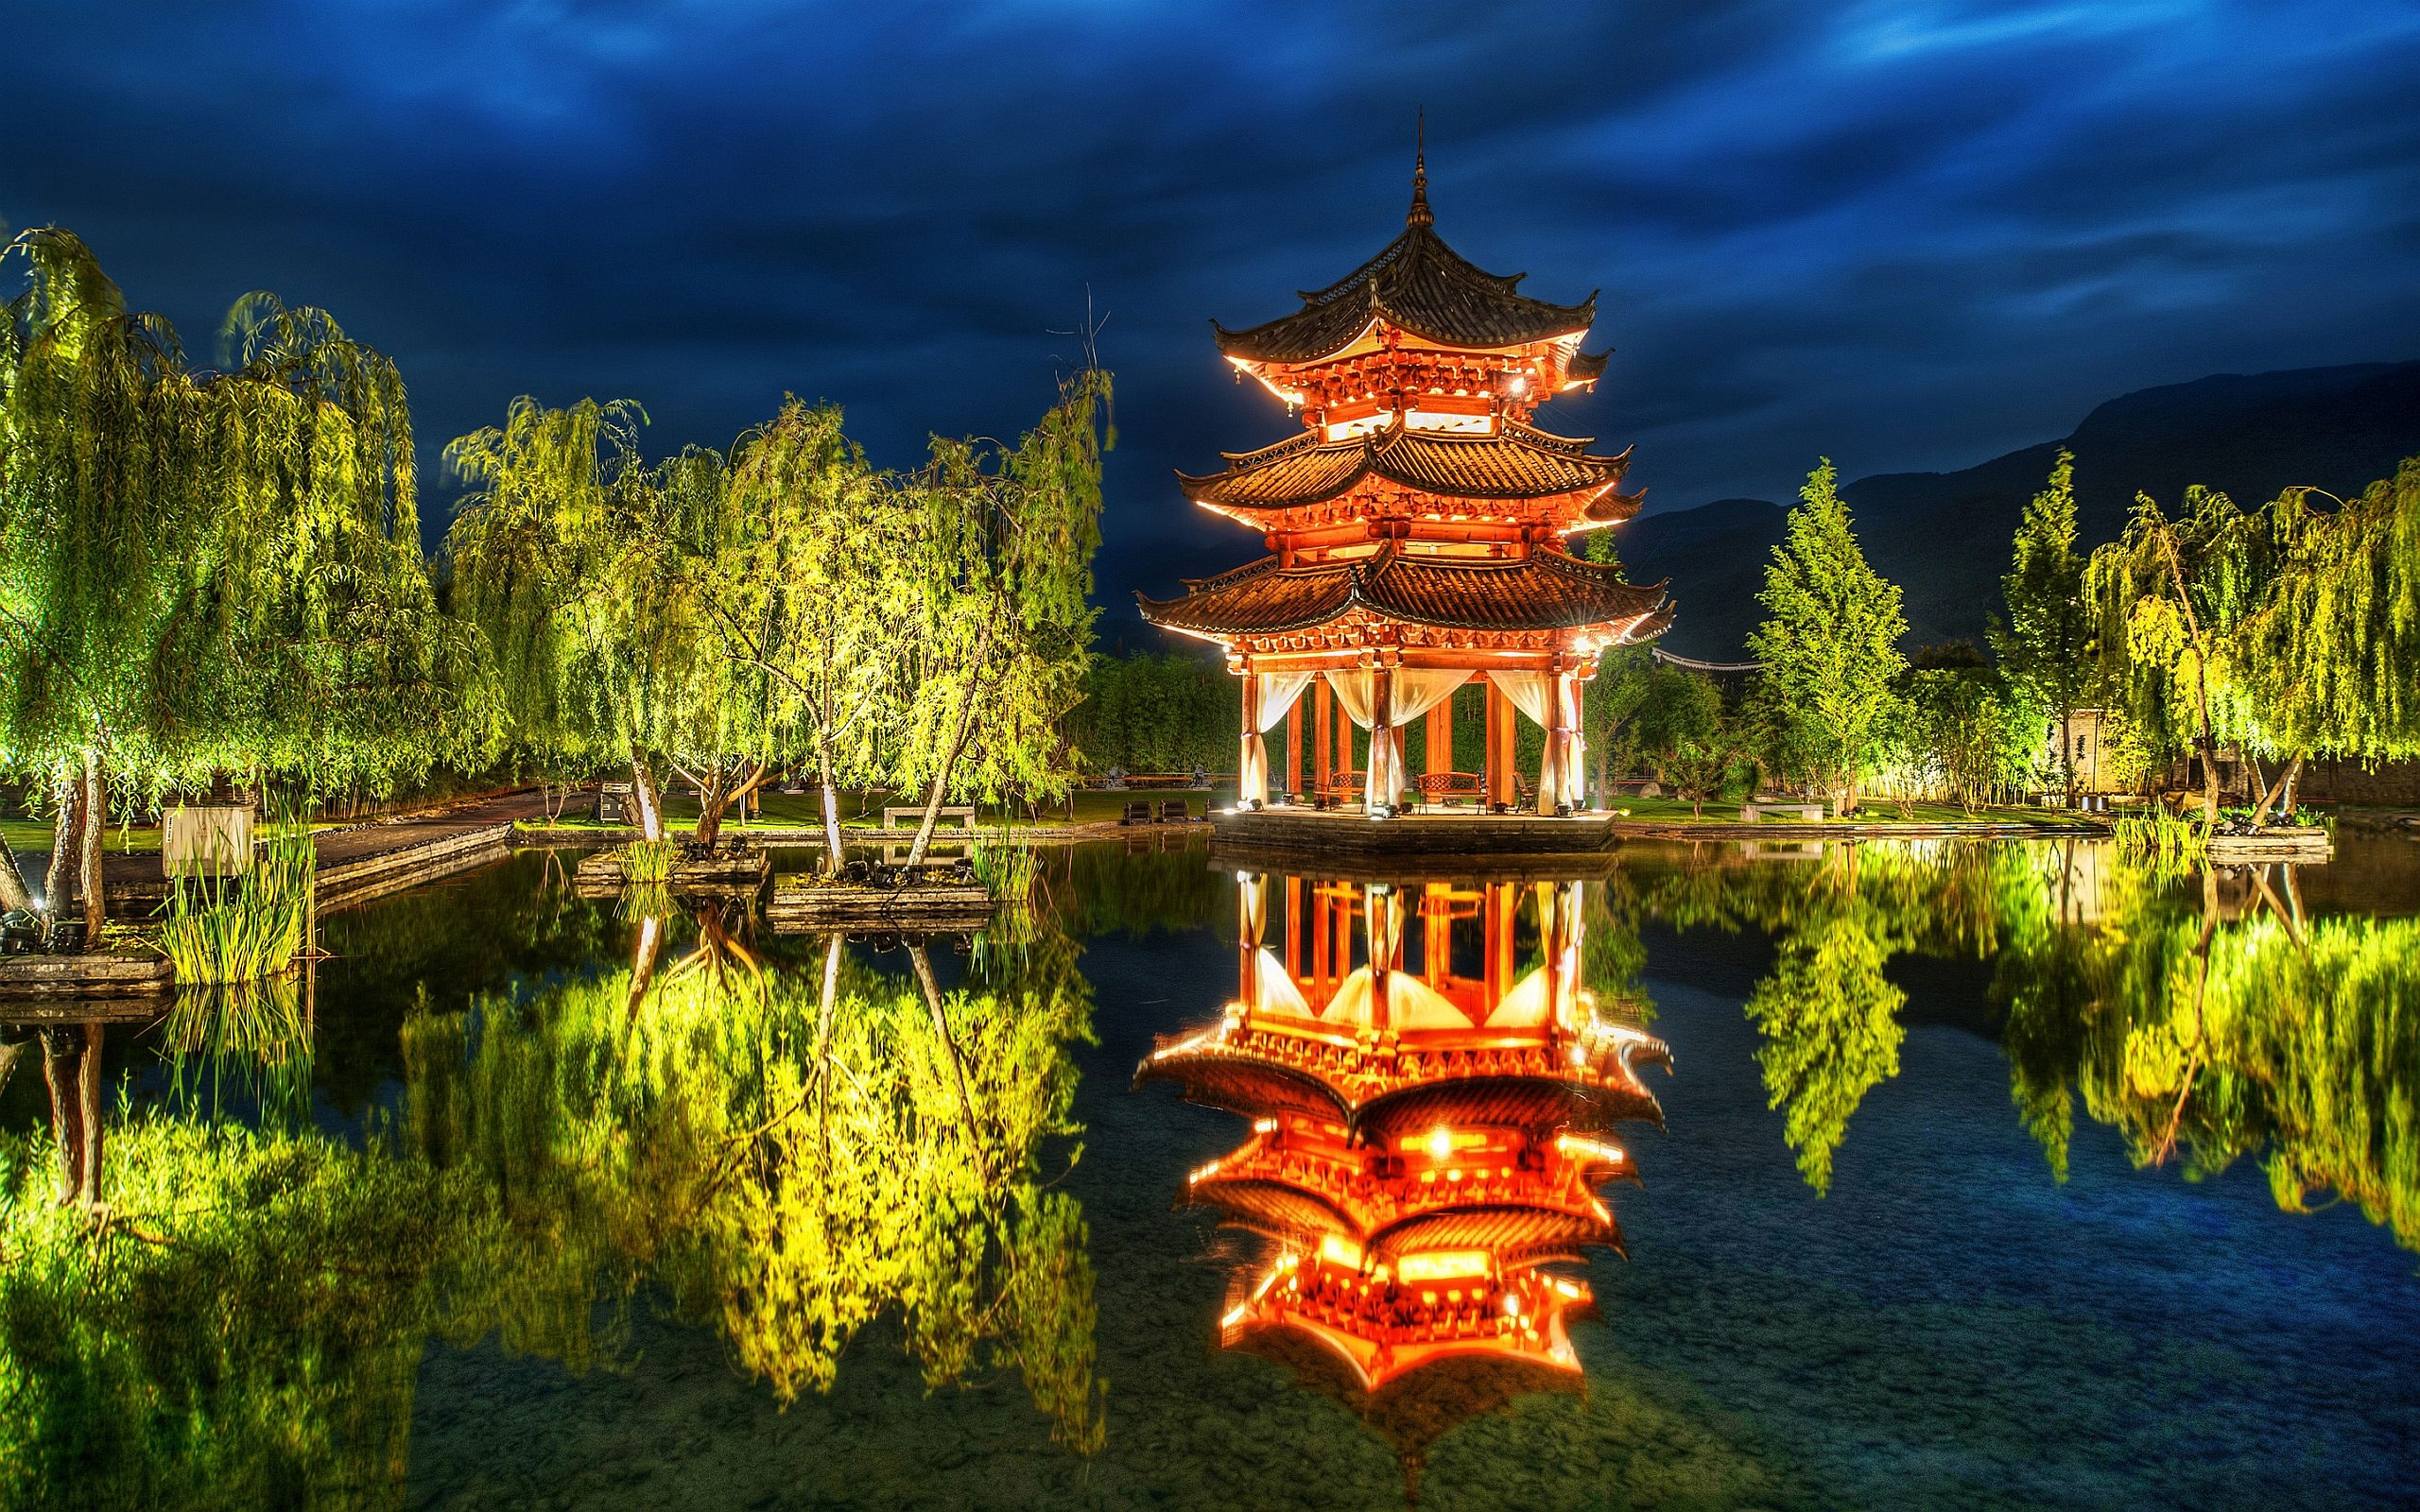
[
  {"x": 2290, "y": 631},
  {"x": 543, "y": 550},
  {"x": 2334, "y": 648},
  {"x": 817, "y": 594},
  {"x": 1005, "y": 576},
  {"x": 207, "y": 571}
]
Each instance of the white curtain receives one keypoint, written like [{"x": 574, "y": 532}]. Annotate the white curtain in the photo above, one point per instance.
[
  {"x": 1276, "y": 691},
  {"x": 1575, "y": 745},
  {"x": 1353, "y": 695},
  {"x": 1416, "y": 690},
  {"x": 1563, "y": 777},
  {"x": 1419, "y": 690},
  {"x": 1530, "y": 692},
  {"x": 1412, "y": 692}
]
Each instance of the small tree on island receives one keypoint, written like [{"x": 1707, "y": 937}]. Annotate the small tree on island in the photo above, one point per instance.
[
  {"x": 1829, "y": 646},
  {"x": 1006, "y": 621},
  {"x": 2046, "y": 650}
]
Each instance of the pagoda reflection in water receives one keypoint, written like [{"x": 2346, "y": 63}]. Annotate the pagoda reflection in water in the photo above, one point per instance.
[{"x": 1427, "y": 1145}]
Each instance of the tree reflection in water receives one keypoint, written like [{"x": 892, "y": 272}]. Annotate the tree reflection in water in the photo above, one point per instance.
[
  {"x": 786, "y": 1164},
  {"x": 2202, "y": 1014},
  {"x": 233, "y": 1315}
]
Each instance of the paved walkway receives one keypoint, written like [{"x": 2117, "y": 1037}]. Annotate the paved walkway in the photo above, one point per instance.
[{"x": 354, "y": 865}]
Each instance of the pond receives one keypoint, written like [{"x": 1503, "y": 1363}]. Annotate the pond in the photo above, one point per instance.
[{"x": 1948, "y": 1175}]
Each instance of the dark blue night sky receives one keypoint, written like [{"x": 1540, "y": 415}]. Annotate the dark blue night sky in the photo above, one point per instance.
[{"x": 1904, "y": 235}]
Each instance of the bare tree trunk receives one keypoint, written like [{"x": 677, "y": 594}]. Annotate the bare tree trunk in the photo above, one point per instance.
[
  {"x": 715, "y": 799},
  {"x": 650, "y": 945},
  {"x": 643, "y": 794},
  {"x": 831, "y": 793},
  {"x": 956, "y": 744},
  {"x": 2286, "y": 802},
  {"x": 66, "y": 843},
  {"x": 2067, "y": 752},
  {"x": 2267, "y": 797},
  {"x": 712, "y": 801},
  {"x": 96, "y": 821},
  {"x": 15, "y": 897}
]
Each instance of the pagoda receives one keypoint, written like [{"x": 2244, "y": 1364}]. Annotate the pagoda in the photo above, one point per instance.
[
  {"x": 1426, "y": 1144},
  {"x": 1417, "y": 529}
]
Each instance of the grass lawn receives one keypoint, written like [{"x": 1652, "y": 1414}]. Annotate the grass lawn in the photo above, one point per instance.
[
  {"x": 1877, "y": 810},
  {"x": 34, "y": 834}
]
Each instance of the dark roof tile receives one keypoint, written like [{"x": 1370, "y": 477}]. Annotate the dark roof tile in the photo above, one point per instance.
[
  {"x": 1421, "y": 284},
  {"x": 1545, "y": 590}
]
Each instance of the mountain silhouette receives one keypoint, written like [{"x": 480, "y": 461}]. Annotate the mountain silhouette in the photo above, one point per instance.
[{"x": 1944, "y": 537}]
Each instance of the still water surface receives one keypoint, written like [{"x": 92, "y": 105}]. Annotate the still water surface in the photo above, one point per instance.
[{"x": 1949, "y": 1176}]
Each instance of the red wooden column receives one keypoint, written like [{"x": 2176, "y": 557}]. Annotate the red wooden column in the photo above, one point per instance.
[
  {"x": 1500, "y": 757},
  {"x": 1294, "y": 749},
  {"x": 1441, "y": 736},
  {"x": 1323, "y": 714},
  {"x": 1345, "y": 744},
  {"x": 1323, "y": 966},
  {"x": 1503, "y": 902},
  {"x": 1550, "y": 763}
]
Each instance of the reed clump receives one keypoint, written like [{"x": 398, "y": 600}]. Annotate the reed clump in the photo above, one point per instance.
[
  {"x": 645, "y": 861},
  {"x": 225, "y": 928},
  {"x": 1006, "y": 866}
]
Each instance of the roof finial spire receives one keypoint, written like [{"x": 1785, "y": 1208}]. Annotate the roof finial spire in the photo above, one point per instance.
[{"x": 1420, "y": 215}]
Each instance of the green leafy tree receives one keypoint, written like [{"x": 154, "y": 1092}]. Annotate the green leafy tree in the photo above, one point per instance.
[
  {"x": 2168, "y": 599},
  {"x": 1966, "y": 731},
  {"x": 1829, "y": 646},
  {"x": 2046, "y": 651},
  {"x": 539, "y": 550},
  {"x": 207, "y": 572},
  {"x": 818, "y": 594},
  {"x": 1005, "y": 617},
  {"x": 1684, "y": 734}
]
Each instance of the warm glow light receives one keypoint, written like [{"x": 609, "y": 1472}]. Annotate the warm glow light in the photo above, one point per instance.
[
  {"x": 1338, "y": 1251},
  {"x": 1584, "y": 1148},
  {"x": 1441, "y": 1141},
  {"x": 1263, "y": 1126},
  {"x": 1437, "y": 1264}
]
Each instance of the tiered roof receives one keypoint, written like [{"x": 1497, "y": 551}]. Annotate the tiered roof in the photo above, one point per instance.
[
  {"x": 1419, "y": 496},
  {"x": 1518, "y": 462},
  {"x": 1544, "y": 591},
  {"x": 1422, "y": 287}
]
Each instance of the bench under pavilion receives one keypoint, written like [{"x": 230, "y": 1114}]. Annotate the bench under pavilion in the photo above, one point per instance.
[{"x": 1417, "y": 531}]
